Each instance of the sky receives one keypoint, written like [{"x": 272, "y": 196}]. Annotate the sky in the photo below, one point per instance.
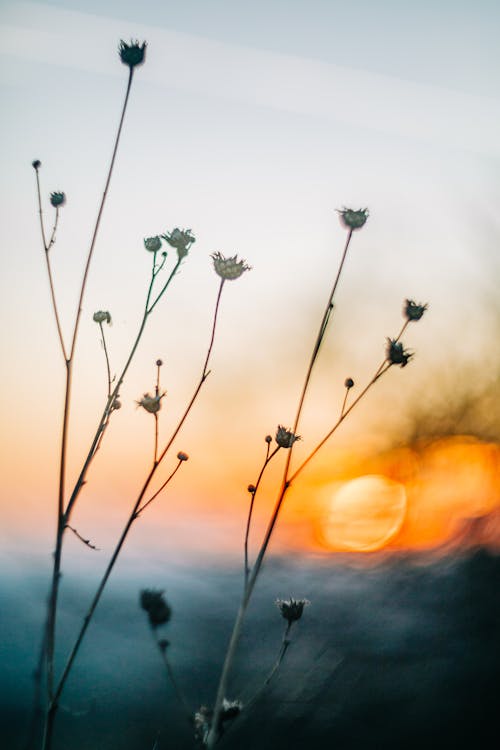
[
  {"x": 253, "y": 124},
  {"x": 250, "y": 124}
]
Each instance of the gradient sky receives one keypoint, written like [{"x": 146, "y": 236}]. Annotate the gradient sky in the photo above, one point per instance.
[{"x": 249, "y": 123}]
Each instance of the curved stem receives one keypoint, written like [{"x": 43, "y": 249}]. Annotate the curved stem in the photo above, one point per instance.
[
  {"x": 153, "y": 497},
  {"x": 252, "y": 502},
  {"x": 179, "y": 693},
  {"x": 62, "y": 516},
  {"x": 46, "y": 249},
  {"x": 136, "y": 510},
  {"x": 285, "y": 643},
  {"x": 108, "y": 369},
  {"x": 99, "y": 215}
]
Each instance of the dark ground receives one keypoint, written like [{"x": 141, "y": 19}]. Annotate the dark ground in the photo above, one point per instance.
[{"x": 401, "y": 655}]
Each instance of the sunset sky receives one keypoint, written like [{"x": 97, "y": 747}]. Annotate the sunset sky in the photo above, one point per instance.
[{"x": 251, "y": 123}]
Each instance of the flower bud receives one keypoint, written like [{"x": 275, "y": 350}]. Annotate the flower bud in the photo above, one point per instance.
[
  {"x": 159, "y": 362},
  {"x": 396, "y": 353},
  {"x": 353, "y": 219},
  {"x": 132, "y": 54},
  {"x": 151, "y": 404},
  {"x": 102, "y": 316},
  {"x": 181, "y": 239},
  {"x": 153, "y": 602},
  {"x": 152, "y": 244},
  {"x": 57, "y": 199},
  {"x": 291, "y": 609},
  {"x": 36, "y": 164},
  {"x": 268, "y": 439},
  {"x": 412, "y": 311},
  {"x": 251, "y": 488},
  {"x": 349, "y": 383},
  {"x": 182, "y": 456},
  {"x": 229, "y": 268},
  {"x": 285, "y": 438}
]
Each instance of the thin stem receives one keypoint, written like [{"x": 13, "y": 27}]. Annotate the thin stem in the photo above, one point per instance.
[
  {"x": 87, "y": 542},
  {"x": 285, "y": 643},
  {"x": 136, "y": 510},
  {"x": 380, "y": 371},
  {"x": 344, "y": 401},
  {"x": 108, "y": 369},
  {"x": 46, "y": 248},
  {"x": 250, "y": 583},
  {"x": 62, "y": 518},
  {"x": 107, "y": 409},
  {"x": 99, "y": 215},
  {"x": 252, "y": 502},
  {"x": 179, "y": 693},
  {"x": 153, "y": 497}
]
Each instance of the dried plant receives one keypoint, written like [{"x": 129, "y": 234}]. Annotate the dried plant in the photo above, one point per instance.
[{"x": 208, "y": 723}]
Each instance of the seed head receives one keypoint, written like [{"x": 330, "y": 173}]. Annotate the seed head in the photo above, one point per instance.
[
  {"x": 57, "y": 199},
  {"x": 229, "y": 268},
  {"x": 412, "y": 311},
  {"x": 181, "y": 239},
  {"x": 152, "y": 244},
  {"x": 132, "y": 54},
  {"x": 36, "y": 164},
  {"x": 102, "y": 316},
  {"x": 291, "y": 609},
  {"x": 349, "y": 383},
  {"x": 151, "y": 404},
  {"x": 285, "y": 438},
  {"x": 396, "y": 353},
  {"x": 230, "y": 709},
  {"x": 154, "y": 603},
  {"x": 353, "y": 219}
]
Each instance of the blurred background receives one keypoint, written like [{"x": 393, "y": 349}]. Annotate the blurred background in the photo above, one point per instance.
[{"x": 251, "y": 124}]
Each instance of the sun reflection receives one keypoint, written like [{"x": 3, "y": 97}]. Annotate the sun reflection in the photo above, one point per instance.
[
  {"x": 365, "y": 514},
  {"x": 421, "y": 497}
]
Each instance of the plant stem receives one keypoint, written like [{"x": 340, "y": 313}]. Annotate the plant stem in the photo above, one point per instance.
[
  {"x": 108, "y": 369},
  {"x": 62, "y": 518},
  {"x": 179, "y": 693},
  {"x": 136, "y": 510},
  {"x": 250, "y": 584},
  {"x": 250, "y": 510},
  {"x": 285, "y": 643}
]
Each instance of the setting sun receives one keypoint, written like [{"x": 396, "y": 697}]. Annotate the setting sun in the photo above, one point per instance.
[{"x": 365, "y": 514}]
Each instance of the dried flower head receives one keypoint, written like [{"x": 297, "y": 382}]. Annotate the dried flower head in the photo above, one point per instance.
[
  {"x": 202, "y": 721},
  {"x": 182, "y": 456},
  {"x": 102, "y": 316},
  {"x": 117, "y": 404},
  {"x": 251, "y": 488},
  {"x": 291, "y": 609},
  {"x": 36, "y": 164},
  {"x": 353, "y": 219},
  {"x": 229, "y": 268},
  {"x": 181, "y": 239},
  {"x": 285, "y": 438},
  {"x": 412, "y": 311},
  {"x": 396, "y": 353},
  {"x": 57, "y": 199},
  {"x": 230, "y": 709},
  {"x": 349, "y": 383},
  {"x": 151, "y": 404},
  {"x": 132, "y": 54},
  {"x": 154, "y": 603},
  {"x": 152, "y": 244}
]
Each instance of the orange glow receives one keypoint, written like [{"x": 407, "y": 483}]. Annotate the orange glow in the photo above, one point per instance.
[
  {"x": 365, "y": 514},
  {"x": 424, "y": 497}
]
